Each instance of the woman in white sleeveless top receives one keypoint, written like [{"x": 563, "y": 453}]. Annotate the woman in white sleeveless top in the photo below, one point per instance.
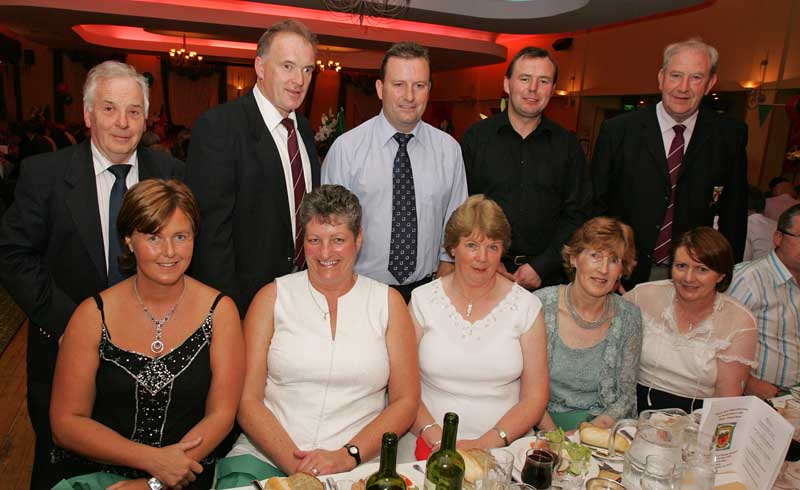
[
  {"x": 482, "y": 341},
  {"x": 323, "y": 347}
]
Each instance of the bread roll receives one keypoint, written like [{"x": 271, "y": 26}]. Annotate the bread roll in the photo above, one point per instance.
[
  {"x": 596, "y": 436},
  {"x": 475, "y": 463},
  {"x": 298, "y": 481}
]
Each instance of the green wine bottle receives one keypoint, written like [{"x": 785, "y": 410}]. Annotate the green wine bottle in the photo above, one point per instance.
[
  {"x": 445, "y": 468},
  {"x": 386, "y": 478}
]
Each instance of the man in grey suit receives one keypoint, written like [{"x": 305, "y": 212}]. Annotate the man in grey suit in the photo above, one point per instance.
[
  {"x": 58, "y": 240},
  {"x": 249, "y": 171}
]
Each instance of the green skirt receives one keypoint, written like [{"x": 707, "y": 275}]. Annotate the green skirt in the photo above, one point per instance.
[
  {"x": 240, "y": 471},
  {"x": 570, "y": 420}
]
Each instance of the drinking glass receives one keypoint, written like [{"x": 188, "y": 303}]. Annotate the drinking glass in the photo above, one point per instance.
[
  {"x": 543, "y": 442},
  {"x": 496, "y": 470},
  {"x": 697, "y": 474},
  {"x": 658, "y": 473},
  {"x": 343, "y": 484},
  {"x": 520, "y": 486},
  {"x": 791, "y": 412},
  {"x": 538, "y": 469}
]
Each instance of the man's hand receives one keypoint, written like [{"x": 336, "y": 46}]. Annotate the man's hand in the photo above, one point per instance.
[
  {"x": 501, "y": 269},
  {"x": 760, "y": 388},
  {"x": 527, "y": 277}
]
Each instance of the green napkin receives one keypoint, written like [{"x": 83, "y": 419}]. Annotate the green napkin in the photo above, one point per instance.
[
  {"x": 91, "y": 481},
  {"x": 239, "y": 471}
]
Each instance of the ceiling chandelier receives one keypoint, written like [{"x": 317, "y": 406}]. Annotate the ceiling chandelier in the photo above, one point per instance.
[
  {"x": 182, "y": 57},
  {"x": 368, "y": 8},
  {"x": 330, "y": 65}
]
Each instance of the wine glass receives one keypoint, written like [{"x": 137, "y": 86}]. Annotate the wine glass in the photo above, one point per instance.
[{"x": 538, "y": 469}]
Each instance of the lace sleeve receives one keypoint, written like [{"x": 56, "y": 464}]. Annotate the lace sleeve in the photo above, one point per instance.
[
  {"x": 623, "y": 404},
  {"x": 740, "y": 335}
]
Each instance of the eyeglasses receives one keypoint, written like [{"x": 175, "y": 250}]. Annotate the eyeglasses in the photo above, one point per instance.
[{"x": 796, "y": 235}]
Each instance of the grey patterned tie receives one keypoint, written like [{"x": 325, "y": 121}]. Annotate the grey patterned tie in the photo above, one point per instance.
[{"x": 403, "y": 246}]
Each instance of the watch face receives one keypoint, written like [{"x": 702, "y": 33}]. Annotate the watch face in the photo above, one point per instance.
[{"x": 353, "y": 450}]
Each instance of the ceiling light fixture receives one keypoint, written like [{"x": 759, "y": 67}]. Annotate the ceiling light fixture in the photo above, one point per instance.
[
  {"x": 182, "y": 57},
  {"x": 756, "y": 95},
  {"x": 368, "y": 8}
]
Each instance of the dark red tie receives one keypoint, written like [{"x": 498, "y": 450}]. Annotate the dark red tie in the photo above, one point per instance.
[
  {"x": 674, "y": 159},
  {"x": 299, "y": 184}
]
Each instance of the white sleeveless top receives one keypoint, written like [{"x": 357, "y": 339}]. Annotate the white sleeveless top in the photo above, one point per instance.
[{"x": 324, "y": 391}]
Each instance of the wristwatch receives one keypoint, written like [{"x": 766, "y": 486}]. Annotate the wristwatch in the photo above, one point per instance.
[
  {"x": 502, "y": 434},
  {"x": 353, "y": 451},
  {"x": 154, "y": 484}
]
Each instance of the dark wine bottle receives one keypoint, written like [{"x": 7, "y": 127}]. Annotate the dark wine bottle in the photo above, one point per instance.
[
  {"x": 386, "y": 478},
  {"x": 445, "y": 468}
]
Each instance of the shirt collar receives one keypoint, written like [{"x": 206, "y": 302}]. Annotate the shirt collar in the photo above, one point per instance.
[
  {"x": 778, "y": 267},
  {"x": 101, "y": 163},
  {"x": 386, "y": 131},
  {"x": 545, "y": 125},
  {"x": 272, "y": 117},
  {"x": 667, "y": 123}
]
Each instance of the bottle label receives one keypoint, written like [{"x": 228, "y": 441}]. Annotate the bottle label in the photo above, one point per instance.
[{"x": 429, "y": 485}]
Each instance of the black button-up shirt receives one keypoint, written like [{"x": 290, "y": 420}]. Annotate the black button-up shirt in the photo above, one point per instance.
[{"x": 541, "y": 182}]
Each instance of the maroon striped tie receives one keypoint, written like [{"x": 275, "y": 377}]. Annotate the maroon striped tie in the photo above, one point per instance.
[
  {"x": 299, "y": 184},
  {"x": 664, "y": 242}
]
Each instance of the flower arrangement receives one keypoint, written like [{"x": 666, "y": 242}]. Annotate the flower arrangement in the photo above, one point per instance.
[{"x": 330, "y": 127}]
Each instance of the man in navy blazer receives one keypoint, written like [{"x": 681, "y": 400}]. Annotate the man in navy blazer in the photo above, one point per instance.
[
  {"x": 241, "y": 173},
  {"x": 630, "y": 173},
  {"x": 54, "y": 239}
]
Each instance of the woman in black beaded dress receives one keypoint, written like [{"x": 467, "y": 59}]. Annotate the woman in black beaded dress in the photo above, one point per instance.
[{"x": 149, "y": 371}]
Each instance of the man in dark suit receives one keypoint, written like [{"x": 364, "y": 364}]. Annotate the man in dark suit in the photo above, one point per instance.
[
  {"x": 56, "y": 239},
  {"x": 247, "y": 181},
  {"x": 669, "y": 168}
]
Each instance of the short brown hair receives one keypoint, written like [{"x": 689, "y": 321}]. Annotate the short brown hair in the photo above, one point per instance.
[
  {"x": 603, "y": 234},
  {"x": 146, "y": 208},
  {"x": 289, "y": 25},
  {"x": 532, "y": 52},
  {"x": 330, "y": 203},
  {"x": 408, "y": 51},
  {"x": 481, "y": 214},
  {"x": 710, "y": 248}
]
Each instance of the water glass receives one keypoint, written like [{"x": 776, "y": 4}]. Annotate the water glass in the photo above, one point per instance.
[
  {"x": 538, "y": 469},
  {"x": 542, "y": 442},
  {"x": 696, "y": 474},
  {"x": 659, "y": 473},
  {"x": 496, "y": 471}
]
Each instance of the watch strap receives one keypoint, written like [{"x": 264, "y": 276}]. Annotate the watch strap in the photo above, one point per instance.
[{"x": 353, "y": 451}]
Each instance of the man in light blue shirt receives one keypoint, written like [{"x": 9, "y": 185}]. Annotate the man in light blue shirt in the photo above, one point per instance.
[
  {"x": 769, "y": 287},
  {"x": 372, "y": 160}
]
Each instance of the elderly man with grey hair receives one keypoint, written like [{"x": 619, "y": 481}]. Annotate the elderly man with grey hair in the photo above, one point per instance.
[
  {"x": 58, "y": 241},
  {"x": 673, "y": 166}
]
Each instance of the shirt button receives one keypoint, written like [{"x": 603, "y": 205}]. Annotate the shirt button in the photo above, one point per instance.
[
  {"x": 522, "y": 162},
  {"x": 666, "y": 198}
]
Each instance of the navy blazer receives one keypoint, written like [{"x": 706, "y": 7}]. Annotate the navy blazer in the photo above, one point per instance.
[
  {"x": 631, "y": 181},
  {"x": 235, "y": 171}
]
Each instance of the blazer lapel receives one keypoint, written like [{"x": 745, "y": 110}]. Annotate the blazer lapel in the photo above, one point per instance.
[
  {"x": 655, "y": 144},
  {"x": 147, "y": 167},
  {"x": 268, "y": 154},
  {"x": 81, "y": 199}
]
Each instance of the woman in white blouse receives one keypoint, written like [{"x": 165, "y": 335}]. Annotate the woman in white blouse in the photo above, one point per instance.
[
  {"x": 482, "y": 341},
  {"x": 698, "y": 341}
]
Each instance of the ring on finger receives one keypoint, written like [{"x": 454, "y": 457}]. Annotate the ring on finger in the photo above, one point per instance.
[{"x": 314, "y": 471}]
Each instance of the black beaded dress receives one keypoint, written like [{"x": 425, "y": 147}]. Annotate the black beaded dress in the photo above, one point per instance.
[{"x": 150, "y": 401}]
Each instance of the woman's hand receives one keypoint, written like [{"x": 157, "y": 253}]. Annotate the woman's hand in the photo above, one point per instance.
[
  {"x": 324, "y": 462},
  {"x": 137, "y": 484},
  {"x": 173, "y": 467},
  {"x": 603, "y": 421}
]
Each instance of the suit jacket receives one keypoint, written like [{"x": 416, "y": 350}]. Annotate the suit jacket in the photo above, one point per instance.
[
  {"x": 52, "y": 254},
  {"x": 631, "y": 182},
  {"x": 235, "y": 171}
]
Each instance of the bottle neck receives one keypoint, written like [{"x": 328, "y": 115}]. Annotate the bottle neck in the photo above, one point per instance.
[
  {"x": 449, "y": 434},
  {"x": 388, "y": 457}
]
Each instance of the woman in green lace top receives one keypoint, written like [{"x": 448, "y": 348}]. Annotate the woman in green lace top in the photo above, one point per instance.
[{"x": 594, "y": 337}]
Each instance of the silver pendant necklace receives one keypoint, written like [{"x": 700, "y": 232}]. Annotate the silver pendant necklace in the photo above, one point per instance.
[
  {"x": 157, "y": 346},
  {"x": 579, "y": 320},
  {"x": 325, "y": 313},
  {"x": 471, "y": 301}
]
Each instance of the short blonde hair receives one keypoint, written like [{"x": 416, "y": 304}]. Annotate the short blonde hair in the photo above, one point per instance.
[
  {"x": 603, "y": 234},
  {"x": 481, "y": 214}
]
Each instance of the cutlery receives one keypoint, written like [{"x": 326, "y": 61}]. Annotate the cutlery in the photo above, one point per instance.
[
  {"x": 257, "y": 484},
  {"x": 331, "y": 484},
  {"x": 418, "y": 468},
  {"x": 601, "y": 463}
]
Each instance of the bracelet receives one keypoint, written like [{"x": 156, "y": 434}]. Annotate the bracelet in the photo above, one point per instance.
[
  {"x": 432, "y": 424},
  {"x": 437, "y": 443}
]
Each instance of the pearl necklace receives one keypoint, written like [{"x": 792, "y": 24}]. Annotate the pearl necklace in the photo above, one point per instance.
[
  {"x": 158, "y": 346},
  {"x": 579, "y": 320}
]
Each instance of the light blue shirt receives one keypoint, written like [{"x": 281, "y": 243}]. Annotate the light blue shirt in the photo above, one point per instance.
[
  {"x": 362, "y": 160},
  {"x": 772, "y": 294}
]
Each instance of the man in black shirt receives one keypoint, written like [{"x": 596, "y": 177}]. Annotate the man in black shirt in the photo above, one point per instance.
[{"x": 533, "y": 168}]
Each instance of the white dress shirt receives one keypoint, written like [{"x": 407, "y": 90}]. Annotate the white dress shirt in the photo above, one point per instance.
[
  {"x": 667, "y": 125},
  {"x": 104, "y": 180},
  {"x": 272, "y": 119},
  {"x": 362, "y": 160},
  {"x": 760, "y": 232}
]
